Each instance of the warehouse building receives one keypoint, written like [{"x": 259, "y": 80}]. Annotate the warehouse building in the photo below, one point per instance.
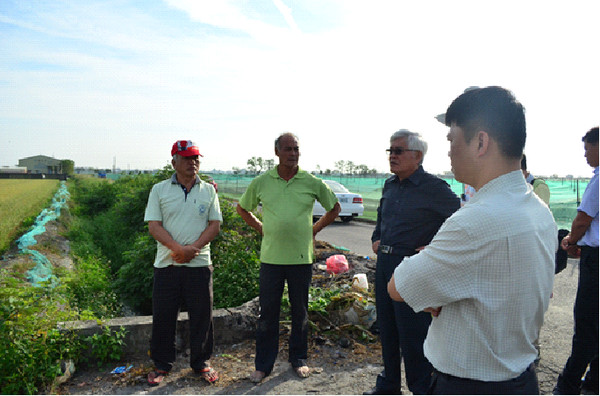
[{"x": 41, "y": 164}]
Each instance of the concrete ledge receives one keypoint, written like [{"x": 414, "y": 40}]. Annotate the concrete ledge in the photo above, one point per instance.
[{"x": 231, "y": 325}]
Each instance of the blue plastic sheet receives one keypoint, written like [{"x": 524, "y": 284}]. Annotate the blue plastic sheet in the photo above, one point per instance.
[{"x": 42, "y": 272}]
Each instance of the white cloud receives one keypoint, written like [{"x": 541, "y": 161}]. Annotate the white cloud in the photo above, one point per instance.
[{"x": 344, "y": 75}]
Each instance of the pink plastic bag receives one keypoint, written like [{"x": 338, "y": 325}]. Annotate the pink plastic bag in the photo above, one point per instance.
[{"x": 337, "y": 264}]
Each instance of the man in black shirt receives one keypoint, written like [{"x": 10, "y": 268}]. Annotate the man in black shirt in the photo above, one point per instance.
[{"x": 413, "y": 206}]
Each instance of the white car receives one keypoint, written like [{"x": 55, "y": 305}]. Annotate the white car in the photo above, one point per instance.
[{"x": 351, "y": 203}]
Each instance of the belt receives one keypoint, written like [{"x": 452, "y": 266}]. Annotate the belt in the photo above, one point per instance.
[
  {"x": 589, "y": 248},
  {"x": 397, "y": 250},
  {"x": 529, "y": 369}
]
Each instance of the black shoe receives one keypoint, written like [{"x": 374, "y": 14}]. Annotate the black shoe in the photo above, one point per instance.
[
  {"x": 378, "y": 391},
  {"x": 588, "y": 389}
]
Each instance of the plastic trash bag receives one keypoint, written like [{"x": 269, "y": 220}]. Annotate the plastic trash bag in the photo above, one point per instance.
[{"x": 337, "y": 264}]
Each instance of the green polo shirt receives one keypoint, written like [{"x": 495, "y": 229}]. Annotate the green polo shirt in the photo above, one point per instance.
[
  {"x": 185, "y": 217},
  {"x": 287, "y": 214}
]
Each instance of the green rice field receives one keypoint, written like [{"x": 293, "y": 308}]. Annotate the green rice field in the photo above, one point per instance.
[
  {"x": 20, "y": 200},
  {"x": 565, "y": 194}
]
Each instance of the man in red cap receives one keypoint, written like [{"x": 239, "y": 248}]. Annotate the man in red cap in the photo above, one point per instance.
[{"x": 184, "y": 216}]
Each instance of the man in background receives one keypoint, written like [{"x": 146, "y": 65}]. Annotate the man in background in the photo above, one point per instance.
[
  {"x": 540, "y": 188},
  {"x": 287, "y": 194},
  {"x": 582, "y": 242},
  {"x": 413, "y": 206},
  {"x": 487, "y": 275}
]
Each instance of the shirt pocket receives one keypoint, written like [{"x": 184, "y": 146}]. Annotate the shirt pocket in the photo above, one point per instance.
[{"x": 201, "y": 208}]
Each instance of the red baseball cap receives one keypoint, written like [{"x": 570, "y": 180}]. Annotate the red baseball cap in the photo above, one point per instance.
[{"x": 185, "y": 148}]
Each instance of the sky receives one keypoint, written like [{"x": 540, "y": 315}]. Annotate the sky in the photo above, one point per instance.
[{"x": 117, "y": 82}]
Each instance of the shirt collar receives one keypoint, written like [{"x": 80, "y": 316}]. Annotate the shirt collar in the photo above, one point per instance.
[
  {"x": 415, "y": 178},
  {"x": 174, "y": 179},
  {"x": 596, "y": 171},
  {"x": 501, "y": 183},
  {"x": 529, "y": 178},
  {"x": 274, "y": 174}
]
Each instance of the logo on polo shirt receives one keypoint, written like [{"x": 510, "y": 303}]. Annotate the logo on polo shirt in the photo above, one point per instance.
[{"x": 202, "y": 209}]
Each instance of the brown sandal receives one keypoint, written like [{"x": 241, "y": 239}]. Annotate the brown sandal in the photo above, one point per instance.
[{"x": 209, "y": 375}]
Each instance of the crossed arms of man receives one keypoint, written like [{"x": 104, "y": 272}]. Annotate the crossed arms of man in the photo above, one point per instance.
[
  {"x": 184, "y": 253},
  {"x": 394, "y": 295}
]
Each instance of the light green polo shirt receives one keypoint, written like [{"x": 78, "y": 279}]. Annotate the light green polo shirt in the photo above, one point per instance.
[
  {"x": 185, "y": 218},
  {"x": 287, "y": 214}
]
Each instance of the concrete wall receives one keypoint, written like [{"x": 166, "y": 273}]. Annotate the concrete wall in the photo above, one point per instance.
[{"x": 231, "y": 326}]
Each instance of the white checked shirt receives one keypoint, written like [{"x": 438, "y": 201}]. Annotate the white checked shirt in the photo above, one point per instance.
[{"x": 491, "y": 269}]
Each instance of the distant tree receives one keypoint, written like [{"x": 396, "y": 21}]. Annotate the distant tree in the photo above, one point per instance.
[
  {"x": 340, "y": 166},
  {"x": 350, "y": 168},
  {"x": 362, "y": 169},
  {"x": 255, "y": 165},
  {"x": 236, "y": 170},
  {"x": 269, "y": 164},
  {"x": 68, "y": 166}
]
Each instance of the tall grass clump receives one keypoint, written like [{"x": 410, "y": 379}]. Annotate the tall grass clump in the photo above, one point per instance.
[
  {"x": 21, "y": 200},
  {"x": 31, "y": 346}
]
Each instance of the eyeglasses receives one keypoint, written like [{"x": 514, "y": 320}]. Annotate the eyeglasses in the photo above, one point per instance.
[{"x": 397, "y": 150}]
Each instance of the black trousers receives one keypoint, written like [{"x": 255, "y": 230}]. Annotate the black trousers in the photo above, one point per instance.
[
  {"x": 584, "y": 350},
  {"x": 524, "y": 384},
  {"x": 272, "y": 280},
  {"x": 402, "y": 333},
  {"x": 173, "y": 287}
]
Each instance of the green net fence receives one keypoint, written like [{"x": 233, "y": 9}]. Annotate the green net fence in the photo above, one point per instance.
[{"x": 565, "y": 194}]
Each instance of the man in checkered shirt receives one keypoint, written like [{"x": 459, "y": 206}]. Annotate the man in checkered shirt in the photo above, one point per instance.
[{"x": 487, "y": 275}]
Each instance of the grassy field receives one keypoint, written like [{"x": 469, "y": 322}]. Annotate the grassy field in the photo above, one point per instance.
[{"x": 20, "y": 201}]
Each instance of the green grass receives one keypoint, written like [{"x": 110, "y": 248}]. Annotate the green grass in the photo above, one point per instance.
[{"x": 21, "y": 200}]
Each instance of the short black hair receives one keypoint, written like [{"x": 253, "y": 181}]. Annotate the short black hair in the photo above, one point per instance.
[
  {"x": 591, "y": 136},
  {"x": 524, "y": 162},
  {"x": 494, "y": 110}
]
